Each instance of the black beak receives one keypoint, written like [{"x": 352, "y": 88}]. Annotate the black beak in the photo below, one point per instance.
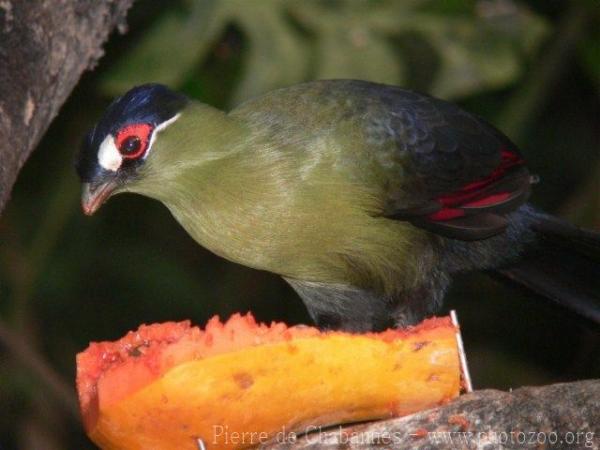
[{"x": 94, "y": 195}]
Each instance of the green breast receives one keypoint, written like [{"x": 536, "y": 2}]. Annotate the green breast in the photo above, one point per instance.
[{"x": 290, "y": 191}]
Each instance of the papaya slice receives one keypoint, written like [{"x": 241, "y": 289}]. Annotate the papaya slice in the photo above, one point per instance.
[{"x": 240, "y": 383}]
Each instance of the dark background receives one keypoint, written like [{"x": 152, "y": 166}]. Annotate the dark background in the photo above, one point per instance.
[{"x": 531, "y": 68}]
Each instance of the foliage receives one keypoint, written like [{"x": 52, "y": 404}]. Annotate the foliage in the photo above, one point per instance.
[{"x": 295, "y": 40}]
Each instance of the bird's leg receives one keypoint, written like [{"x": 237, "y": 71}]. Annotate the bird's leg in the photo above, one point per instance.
[{"x": 341, "y": 307}]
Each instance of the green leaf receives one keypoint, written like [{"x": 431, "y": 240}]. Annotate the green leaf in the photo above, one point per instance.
[
  {"x": 277, "y": 56},
  {"x": 168, "y": 51},
  {"x": 348, "y": 45},
  {"x": 479, "y": 53},
  {"x": 478, "y": 45},
  {"x": 360, "y": 54}
]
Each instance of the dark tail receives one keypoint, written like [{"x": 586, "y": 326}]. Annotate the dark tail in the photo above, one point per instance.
[{"x": 563, "y": 265}]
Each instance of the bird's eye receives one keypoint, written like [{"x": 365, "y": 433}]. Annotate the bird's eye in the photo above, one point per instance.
[
  {"x": 130, "y": 145},
  {"x": 133, "y": 140}
]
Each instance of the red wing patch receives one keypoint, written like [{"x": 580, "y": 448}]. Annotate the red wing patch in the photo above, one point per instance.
[
  {"x": 476, "y": 211},
  {"x": 478, "y": 194}
]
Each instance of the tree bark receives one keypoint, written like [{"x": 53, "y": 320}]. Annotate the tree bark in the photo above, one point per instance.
[
  {"x": 45, "y": 45},
  {"x": 556, "y": 416}
]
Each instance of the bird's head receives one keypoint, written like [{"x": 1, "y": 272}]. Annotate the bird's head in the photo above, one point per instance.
[{"x": 114, "y": 152}]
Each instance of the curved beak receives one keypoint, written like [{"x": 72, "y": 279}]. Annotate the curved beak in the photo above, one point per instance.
[{"x": 93, "y": 196}]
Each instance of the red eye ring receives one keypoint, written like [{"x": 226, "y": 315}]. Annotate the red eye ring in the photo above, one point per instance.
[{"x": 133, "y": 140}]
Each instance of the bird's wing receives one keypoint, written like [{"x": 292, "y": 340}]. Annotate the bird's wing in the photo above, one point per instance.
[
  {"x": 460, "y": 176},
  {"x": 443, "y": 169}
]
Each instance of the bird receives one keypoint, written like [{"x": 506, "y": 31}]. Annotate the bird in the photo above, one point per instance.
[{"x": 366, "y": 198}]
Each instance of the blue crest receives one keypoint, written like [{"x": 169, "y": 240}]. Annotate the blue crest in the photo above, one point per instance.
[{"x": 149, "y": 103}]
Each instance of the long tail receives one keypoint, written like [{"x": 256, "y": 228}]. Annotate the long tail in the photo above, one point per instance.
[{"x": 563, "y": 265}]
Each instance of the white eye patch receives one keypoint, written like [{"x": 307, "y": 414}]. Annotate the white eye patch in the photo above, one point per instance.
[{"x": 109, "y": 156}]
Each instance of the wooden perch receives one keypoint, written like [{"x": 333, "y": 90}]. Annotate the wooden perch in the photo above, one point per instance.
[
  {"x": 556, "y": 416},
  {"x": 45, "y": 46}
]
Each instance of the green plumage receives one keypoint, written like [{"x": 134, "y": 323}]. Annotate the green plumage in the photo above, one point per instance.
[
  {"x": 366, "y": 198},
  {"x": 288, "y": 183}
]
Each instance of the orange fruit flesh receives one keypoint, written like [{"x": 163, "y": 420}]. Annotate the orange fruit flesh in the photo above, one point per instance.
[{"x": 239, "y": 383}]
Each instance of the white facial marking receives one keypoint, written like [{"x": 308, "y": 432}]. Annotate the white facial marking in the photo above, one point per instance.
[
  {"x": 160, "y": 128},
  {"x": 108, "y": 154}
]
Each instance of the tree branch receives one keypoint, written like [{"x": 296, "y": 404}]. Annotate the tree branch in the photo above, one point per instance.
[
  {"x": 556, "y": 416},
  {"x": 35, "y": 363},
  {"x": 45, "y": 46}
]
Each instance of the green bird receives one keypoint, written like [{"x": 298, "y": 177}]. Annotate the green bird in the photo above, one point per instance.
[{"x": 366, "y": 198}]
